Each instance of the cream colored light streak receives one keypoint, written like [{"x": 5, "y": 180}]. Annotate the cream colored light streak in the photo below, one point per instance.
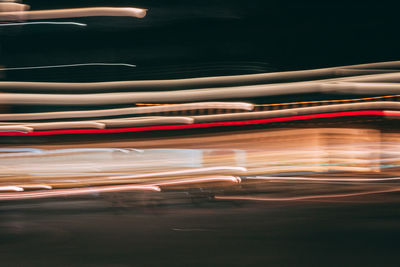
[
  {"x": 73, "y": 13},
  {"x": 65, "y": 125},
  {"x": 193, "y": 95},
  {"x": 75, "y": 191},
  {"x": 187, "y": 172},
  {"x": 15, "y": 128},
  {"x": 11, "y": 188},
  {"x": 178, "y": 182},
  {"x": 313, "y": 179},
  {"x": 129, "y": 122},
  {"x": 366, "y": 73},
  {"x": 126, "y": 111}
]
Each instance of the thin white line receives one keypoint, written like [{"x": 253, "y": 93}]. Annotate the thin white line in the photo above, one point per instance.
[
  {"x": 44, "y": 22},
  {"x": 70, "y": 65}
]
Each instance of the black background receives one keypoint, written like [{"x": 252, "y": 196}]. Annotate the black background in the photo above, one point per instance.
[{"x": 179, "y": 39}]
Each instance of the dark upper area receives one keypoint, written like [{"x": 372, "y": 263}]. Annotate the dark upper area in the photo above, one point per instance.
[{"x": 180, "y": 39}]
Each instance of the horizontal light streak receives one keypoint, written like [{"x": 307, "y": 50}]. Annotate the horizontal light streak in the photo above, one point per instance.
[
  {"x": 177, "y": 182},
  {"x": 40, "y": 23},
  {"x": 202, "y": 125},
  {"x": 309, "y": 197},
  {"x": 74, "y": 13},
  {"x": 192, "y": 171},
  {"x": 11, "y": 188},
  {"x": 75, "y": 191},
  {"x": 126, "y": 111},
  {"x": 64, "y": 65},
  {"x": 312, "y": 179},
  {"x": 364, "y": 70},
  {"x": 190, "y": 95}
]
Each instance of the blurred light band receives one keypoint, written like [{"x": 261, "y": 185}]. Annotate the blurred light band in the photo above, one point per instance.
[
  {"x": 206, "y": 125},
  {"x": 74, "y": 13}
]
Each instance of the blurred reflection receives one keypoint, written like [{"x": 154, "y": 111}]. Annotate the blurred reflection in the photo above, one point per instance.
[{"x": 280, "y": 165}]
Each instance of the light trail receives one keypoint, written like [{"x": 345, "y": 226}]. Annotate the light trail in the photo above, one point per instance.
[
  {"x": 15, "y": 128},
  {"x": 36, "y": 186},
  {"x": 43, "y": 23},
  {"x": 63, "y": 125},
  {"x": 194, "y": 171},
  {"x": 232, "y": 179},
  {"x": 312, "y": 197},
  {"x": 111, "y": 123},
  {"x": 311, "y": 179},
  {"x": 74, "y": 13},
  {"x": 76, "y": 191},
  {"x": 174, "y": 96},
  {"x": 348, "y": 107},
  {"x": 29, "y": 152},
  {"x": 126, "y": 111},
  {"x": 67, "y": 65},
  {"x": 11, "y": 188},
  {"x": 130, "y": 122},
  {"x": 201, "y": 125},
  {"x": 228, "y": 80},
  {"x": 20, "y": 150}
]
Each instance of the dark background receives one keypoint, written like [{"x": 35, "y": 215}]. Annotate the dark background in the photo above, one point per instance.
[{"x": 179, "y": 39}]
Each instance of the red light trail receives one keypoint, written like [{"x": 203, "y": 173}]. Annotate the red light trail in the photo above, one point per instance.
[{"x": 208, "y": 124}]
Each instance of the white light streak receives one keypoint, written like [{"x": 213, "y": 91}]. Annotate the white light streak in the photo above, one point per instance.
[
  {"x": 43, "y": 23},
  {"x": 70, "y": 65}
]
